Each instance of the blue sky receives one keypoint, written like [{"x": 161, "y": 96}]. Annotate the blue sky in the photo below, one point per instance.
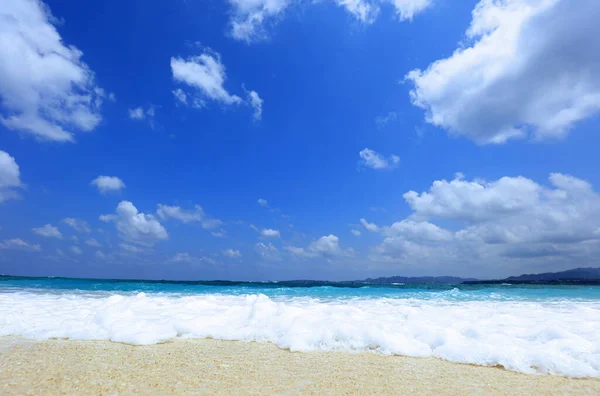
[{"x": 280, "y": 139}]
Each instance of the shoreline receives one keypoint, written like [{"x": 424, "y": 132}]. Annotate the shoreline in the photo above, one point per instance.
[{"x": 197, "y": 366}]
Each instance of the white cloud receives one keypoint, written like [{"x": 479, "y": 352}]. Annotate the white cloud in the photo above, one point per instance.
[
  {"x": 48, "y": 231},
  {"x": 187, "y": 216},
  {"x": 131, "y": 248},
  {"x": 99, "y": 255},
  {"x": 407, "y": 9},
  {"x": 175, "y": 212},
  {"x": 268, "y": 252},
  {"x": 209, "y": 224},
  {"x": 383, "y": 120},
  {"x": 19, "y": 244},
  {"x": 46, "y": 89},
  {"x": 137, "y": 113},
  {"x": 76, "y": 249},
  {"x": 180, "y": 96},
  {"x": 232, "y": 253},
  {"x": 250, "y": 17},
  {"x": 474, "y": 200},
  {"x": 270, "y": 233},
  {"x": 355, "y": 232},
  {"x": 107, "y": 218},
  {"x": 362, "y": 10},
  {"x": 263, "y": 202},
  {"x": 529, "y": 69},
  {"x": 374, "y": 160},
  {"x": 106, "y": 184},
  {"x": 77, "y": 224},
  {"x": 326, "y": 246},
  {"x": 10, "y": 177},
  {"x": 256, "y": 102},
  {"x": 205, "y": 73},
  {"x": 136, "y": 227},
  {"x": 181, "y": 258},
  {"x": 369, "y": 226},
  {"x": 297, "y": 251},
  {"x": 92, "y": 242},
  {"x": 187, "y": 258},
  {"x": 483, "y": 226},
  {"x": 219, "y": 234}
]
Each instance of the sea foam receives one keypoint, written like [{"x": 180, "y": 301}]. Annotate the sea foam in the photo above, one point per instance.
[{"x": 557, "y": 337}]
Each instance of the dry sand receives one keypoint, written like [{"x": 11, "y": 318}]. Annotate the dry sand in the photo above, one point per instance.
[{"x": 243, "y": 368}]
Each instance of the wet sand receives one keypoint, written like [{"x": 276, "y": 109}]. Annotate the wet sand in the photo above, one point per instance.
[{"x": 242, "y": 368}]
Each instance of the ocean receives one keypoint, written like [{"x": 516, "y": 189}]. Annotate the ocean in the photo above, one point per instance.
[{"x": 525, "y": 328}]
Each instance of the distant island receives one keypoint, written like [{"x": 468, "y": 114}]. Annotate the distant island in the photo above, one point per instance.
[{"x": 575, "y": 276}]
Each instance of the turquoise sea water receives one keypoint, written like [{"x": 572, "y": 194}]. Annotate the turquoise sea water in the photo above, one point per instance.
[{"x": 314, "y": 289}]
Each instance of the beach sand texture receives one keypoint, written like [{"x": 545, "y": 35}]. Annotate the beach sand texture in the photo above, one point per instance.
[{"x": 249, "y": 368}]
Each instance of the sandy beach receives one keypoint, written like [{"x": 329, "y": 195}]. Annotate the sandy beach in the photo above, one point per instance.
[{"x": 232, "y": 367}]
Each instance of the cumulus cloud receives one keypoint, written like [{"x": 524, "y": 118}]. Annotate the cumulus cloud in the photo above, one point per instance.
[
  {"x": 77, "y": 224},
  {"x": 76, "y": 249},
  {"x": 326, "y": 246},
  {"x": 270, "y": 233},
  {"x": 206, "y": 73},
  {"x": 19, "y": 244},
  {"x": 355, "y": 232},
  {"x": 481, "y": 223},
  {"x": 374, "y": 160},
  {"x": 48, "y": 231},
  {"x": 135, "y": 227},
  {"x": 474, "y": 200},
  {"x": 232, "y": 253},
  {"x": 45, "y": 87},
  {"x": 529, "y": 69},
  {"x": 106, "y": 184},
  {"x": 10, "y": 177},
  {"x": 263, "y": 202},
  {"x": 187, "y": 216}
]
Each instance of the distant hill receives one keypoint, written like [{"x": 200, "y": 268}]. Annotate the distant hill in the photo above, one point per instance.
[
  {"x": 575, "y": 273},
  {"x": 445, "y": 280},
  {"x": 580, "y": 276}
]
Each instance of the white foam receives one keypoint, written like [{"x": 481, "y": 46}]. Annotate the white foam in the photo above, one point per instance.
[{"x": 554, "y": 337}]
